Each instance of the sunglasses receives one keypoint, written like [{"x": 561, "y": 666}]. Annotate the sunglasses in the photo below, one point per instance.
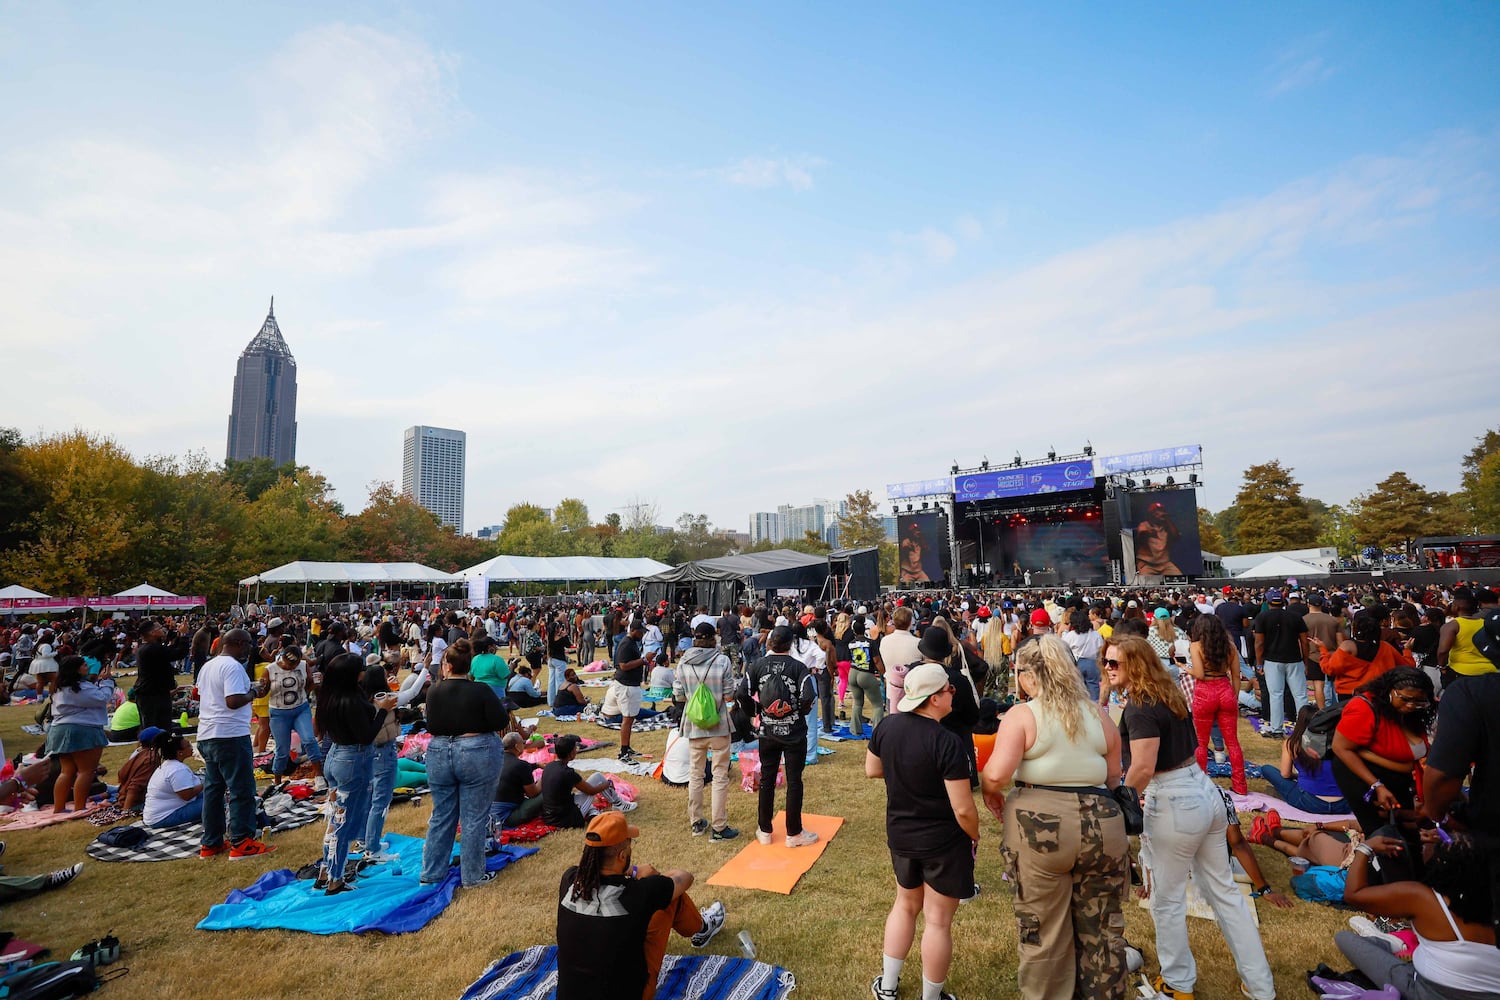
[{"x": 1113, "y": 664}]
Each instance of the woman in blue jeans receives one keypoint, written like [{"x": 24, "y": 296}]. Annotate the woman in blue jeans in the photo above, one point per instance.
[
  {"x": 290, "y": 682},
  {"x": 352, "y": 721},
  {"x": 377, "y": 682},
  {"x": 174, "y": 796},
  {"x": 1305, "y": 781},
  {"x": 463, "y": 767}
]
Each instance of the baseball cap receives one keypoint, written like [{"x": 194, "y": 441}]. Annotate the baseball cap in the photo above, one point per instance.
[
  {"x": 1040, "y": 617},
  {"x": 1273, "y": 595},
  {"x": 1295, "y": 593},
  {"x": 608, "y": 829},
  {"x": 922, "y": 682},
  {"x": 861, "y": 610},
  {"x": 984, "y": 612},
  {"x": 704, "y": 630},
  {"x": 150, "y": 733},
  {"x": 274, "y": 623},
  {"x": 1161, "y": 613},
  {"x": 1317, "y": 600},
  {"x": 1228, "y": 590}
]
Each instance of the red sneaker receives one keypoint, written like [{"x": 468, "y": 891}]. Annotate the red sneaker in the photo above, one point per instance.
[
  {"x": 204, "y": 853},
  {"x": 1260, "y": 833},
  {"x": 249, "y": 848},
  {"x": 1273, "y": 821}
]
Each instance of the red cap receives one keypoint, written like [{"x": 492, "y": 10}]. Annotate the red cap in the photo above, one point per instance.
[
  {"x": 1228, "y": 590},
  {"x": 1040, "y": 617}
]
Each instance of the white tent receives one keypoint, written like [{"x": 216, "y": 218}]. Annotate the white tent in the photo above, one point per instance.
[
  {"x": 1281, "y": 568},
  {"x": 351, "y": 572},
  {"x": 15, "y": 591},
  {"x": 145, "y": 590},
  {"x": 558, "y": 569}
]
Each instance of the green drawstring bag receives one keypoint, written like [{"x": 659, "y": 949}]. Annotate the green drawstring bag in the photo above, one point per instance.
[{"x": 701, "y": 709}]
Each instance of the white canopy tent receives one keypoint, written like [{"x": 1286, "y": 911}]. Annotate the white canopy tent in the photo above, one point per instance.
[
  {"x": 145, "y": 590},
  {"x": 561, "y": 569},
  {"x": 1281, "y": 568},
  {"x": 348, "y": 573},
  {"x": 15, "y": 591}
]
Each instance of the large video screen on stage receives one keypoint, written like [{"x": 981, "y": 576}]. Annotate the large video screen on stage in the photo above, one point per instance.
[
  {"x": 923, "y": 543},
  {"x": 1164, "y": 526},
  {"x": 1074, "y": 550}
]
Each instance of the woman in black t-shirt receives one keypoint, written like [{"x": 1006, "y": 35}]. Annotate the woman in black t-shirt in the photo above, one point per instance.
[
  {"x": 1185, "y": 822},
  {"x": 352, "y": 721}
]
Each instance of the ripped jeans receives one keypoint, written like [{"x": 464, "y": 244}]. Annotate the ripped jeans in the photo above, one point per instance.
[{"x": 347, "y": 771}]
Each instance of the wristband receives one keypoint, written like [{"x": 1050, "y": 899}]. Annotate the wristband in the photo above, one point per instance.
[
  {"x": 1364, "y": 849},
  {"x": 1370, "y": 795},
  {"x": 20, "y": 782},
  {"x": 1257, "y": 893}
]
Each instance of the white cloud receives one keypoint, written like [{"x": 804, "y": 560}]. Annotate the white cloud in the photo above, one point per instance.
[
  {"x": 795, "y": 172},
  {"x": 1299, "y": 65}
]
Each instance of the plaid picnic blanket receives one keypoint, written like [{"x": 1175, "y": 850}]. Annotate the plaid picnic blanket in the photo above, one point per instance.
[
  {"x": 641, "y": 725},
  {"x": 532, "y": 975},
  {"x": 180, "y": 842}
]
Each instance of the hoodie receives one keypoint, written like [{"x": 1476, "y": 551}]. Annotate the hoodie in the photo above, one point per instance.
[{"x": 700, "y": 665}]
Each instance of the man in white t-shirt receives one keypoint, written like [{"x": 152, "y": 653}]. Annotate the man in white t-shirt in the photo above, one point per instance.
[{"x": 225, "y": 694}]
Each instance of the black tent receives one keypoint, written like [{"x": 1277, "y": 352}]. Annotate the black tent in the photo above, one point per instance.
[
  {"x": 856, "y": 572},
  {"x": 719, "y": 583}
]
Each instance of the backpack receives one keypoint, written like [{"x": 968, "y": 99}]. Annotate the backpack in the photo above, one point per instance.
[
  {"x": 780, "y": 707},
  {"x": 1318, "y": 737},
  {"x": 532, "y": 644},
  {"x": 1487, "y": 639},
  {"x": 702, "y": 709},
  {"x": 124, "y": 836},
  {"x": 51, "y": 981}
]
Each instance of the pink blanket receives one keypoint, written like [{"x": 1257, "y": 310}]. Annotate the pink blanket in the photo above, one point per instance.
[
  {"x": 41, "y": 817},
  {"x": 1259, "y": 801}
]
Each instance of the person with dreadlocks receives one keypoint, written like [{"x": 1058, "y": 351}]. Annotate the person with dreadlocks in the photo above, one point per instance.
[{"x": 614, "y": 917}]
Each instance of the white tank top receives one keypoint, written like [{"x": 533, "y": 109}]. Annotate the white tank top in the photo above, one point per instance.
[
  {"x": 1460, "y": 964},
  {"x": 1055, "y": 760}
]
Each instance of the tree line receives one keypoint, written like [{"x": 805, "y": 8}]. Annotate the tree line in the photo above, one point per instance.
[{"x": 1270, "y": 513}]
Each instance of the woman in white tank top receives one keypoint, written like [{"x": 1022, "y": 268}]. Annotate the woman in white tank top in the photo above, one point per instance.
[
  {"x": 1064, "y": 847},
  {"x": 1450, "y": 910}
]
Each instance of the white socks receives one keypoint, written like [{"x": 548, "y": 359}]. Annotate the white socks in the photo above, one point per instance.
[
  {"x": 890, "y": 972},
  {"x": 931, "y": 991}
]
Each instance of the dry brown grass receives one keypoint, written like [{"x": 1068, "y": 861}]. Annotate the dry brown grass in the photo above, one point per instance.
[{"x": 827, "y": 932}]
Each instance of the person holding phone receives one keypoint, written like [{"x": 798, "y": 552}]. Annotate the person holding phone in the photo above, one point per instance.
[
  {"x": 353, "y": 720},
  {"x": 85, "y": 690}
]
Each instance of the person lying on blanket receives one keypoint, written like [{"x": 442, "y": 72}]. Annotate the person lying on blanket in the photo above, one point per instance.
[{"x": 614, "y": 917}]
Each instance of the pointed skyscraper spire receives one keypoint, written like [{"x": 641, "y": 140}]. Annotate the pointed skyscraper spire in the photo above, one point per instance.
[
  {"x": 269, "y": 340},
  {"x": 272, "y": 313}
]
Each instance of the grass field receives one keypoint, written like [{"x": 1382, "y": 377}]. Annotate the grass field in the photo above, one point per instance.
[{"x": 827, "y": 932}]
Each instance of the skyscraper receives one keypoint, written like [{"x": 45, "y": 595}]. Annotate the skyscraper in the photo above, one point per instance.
[
  {"x": 432, "y": 472},
  {"x": 263, "y": 412}
]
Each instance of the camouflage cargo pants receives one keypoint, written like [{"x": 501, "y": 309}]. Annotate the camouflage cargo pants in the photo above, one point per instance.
[{"x": 1066, "y": 856}]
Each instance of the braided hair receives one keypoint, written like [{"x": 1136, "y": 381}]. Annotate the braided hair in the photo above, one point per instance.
[{"x": 590, "y": 867}]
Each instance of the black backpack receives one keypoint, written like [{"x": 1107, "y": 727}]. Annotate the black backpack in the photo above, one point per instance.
[
  {"x": 51, "y": 981},
  {"x": 1318, "y": 737},
  {"x": 780, "y": 705}
]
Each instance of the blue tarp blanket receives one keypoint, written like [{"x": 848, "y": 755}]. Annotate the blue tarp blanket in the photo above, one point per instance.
[
  {"x": 532, "y": 975},
  {"x": 842, "y": 732},
  {"x": 381, "y": 901}
]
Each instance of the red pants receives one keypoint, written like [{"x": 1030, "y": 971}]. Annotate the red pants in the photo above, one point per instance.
[{"x": 1217, "y": 700}]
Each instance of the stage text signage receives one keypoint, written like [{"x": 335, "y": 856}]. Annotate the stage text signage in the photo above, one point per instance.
[
  {"x": 997, "y": 484},
  {"x": 1145, "y": 461}
]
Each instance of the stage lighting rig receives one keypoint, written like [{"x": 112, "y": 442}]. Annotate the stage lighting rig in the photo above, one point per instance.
[
  {"x": 1088, "y": 449},
  {"x": 1017, "y": 462}
]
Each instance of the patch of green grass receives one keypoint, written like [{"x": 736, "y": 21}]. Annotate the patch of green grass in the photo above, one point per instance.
[{"x": 828, "y": 931}]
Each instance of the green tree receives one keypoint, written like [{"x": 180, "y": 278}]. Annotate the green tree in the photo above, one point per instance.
[
  {"x": 576, "y": 536},
  {"x": 528, "y": 531},
  {"x": 395, "y": 528},
  {"x": 890, "y": 563},
  {"x": 1336, "y": 529},
  {"x": 860, "y": 526},
  {"x": 256, "y": 475},
  {"x": 200, "y": 519},
  {"x": 1228, "y": 523},
  {"x": 294, "y": 519},
  {"x": 19, "y": 496},
  {"x": 1480, "y": 496},
  {"x": 1208, "y": 533},
  {"x": 695, "y": 538},
  {"x": 1272, "y": 512},
  {"x": 1400, "y": 510}
]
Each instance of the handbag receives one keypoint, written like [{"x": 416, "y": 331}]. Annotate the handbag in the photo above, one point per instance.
[{"x": 1127, "y": 798}]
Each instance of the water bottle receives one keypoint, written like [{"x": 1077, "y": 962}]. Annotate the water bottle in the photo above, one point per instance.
[{"x": 396, "y": 866}]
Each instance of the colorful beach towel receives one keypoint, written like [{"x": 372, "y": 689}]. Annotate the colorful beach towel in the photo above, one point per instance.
[
  {"x": 35, "y": 819},
  {"x": 532, "y": 975}
]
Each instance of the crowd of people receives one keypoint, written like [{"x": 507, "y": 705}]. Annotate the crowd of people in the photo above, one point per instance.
[{"x": 1104, "y": 710}]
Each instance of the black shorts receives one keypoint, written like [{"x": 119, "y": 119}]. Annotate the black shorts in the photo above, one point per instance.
[
  {"x": 950, "y": 873},
  {"x": 1315, "y": 671}
]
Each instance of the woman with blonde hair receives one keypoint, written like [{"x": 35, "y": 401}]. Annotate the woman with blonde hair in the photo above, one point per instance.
[
  {"x": 1064, "y": 754},
  {"x": 841, "y": 637},
  {"x": 996, "y": 647},
  {"x": 1185, "y": 823}
]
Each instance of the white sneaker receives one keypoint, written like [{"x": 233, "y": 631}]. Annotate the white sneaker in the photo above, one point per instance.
[
  {"x": 1221, "y": 756},
  {"x": 320, "y": 785},
  {"x": 802, "y": 839},
  {"x": 626, "y": 807},
  {"x": 1365, "y": 927},
  {"x": 713, "y": 922},
  {"x": 1134, "y": 960},
  {"x": 763, "y": 837}
]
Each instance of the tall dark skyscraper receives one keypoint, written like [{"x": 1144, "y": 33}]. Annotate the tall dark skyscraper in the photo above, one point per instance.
[{"x": 263, "y": 415}]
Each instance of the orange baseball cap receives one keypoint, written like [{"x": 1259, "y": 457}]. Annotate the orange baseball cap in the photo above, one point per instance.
[{"x": 608, "y": 829}]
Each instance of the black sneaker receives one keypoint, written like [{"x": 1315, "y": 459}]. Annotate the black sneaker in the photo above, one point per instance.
[
  {"x": 700, "y": 827},
  {"x": 728, "y": 833},
  {"x": 63, "y": 876},
  {"x": 628, "y": 755}
]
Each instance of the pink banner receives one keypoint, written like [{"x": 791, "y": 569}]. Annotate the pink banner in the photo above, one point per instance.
[{"x": 49, "y": 605}]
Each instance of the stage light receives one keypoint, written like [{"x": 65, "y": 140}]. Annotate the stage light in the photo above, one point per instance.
[
  {"x": 1052, "y": 454},
  {"x": 1146, "y": 484},
  {"x": 955, "y": 467},
  {"x": 924, "y": 505},
  {"x": 1130, "y": 484},
  {"x": 1193, "y": 479},
  {"x": 1017, "y": 462},
  {"x": 1088, "y": 448},
  {"x": 985, "y": 465},
  {"x": 908, "y": 508}
]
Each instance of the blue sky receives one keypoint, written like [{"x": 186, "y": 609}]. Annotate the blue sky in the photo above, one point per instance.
[{"x": 724, "y": 259}]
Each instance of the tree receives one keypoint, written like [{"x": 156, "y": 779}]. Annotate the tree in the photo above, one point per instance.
[
  {"x": 1398, "y": 511},
  {"x": 1208, "y": 533},
  {"x": 256, "y": 475},
  {"x": 1272, "y": 513},
  {"x": 296, "y": 518},
  {"x": 890, "y": 563},
  {"x": 1228, "y": 523},
  {"x": 860, "y": 526},
  {"x": 19, "y": 496},
  {"x": 695, "y": 538},
  {"x": 576, "y": 536},
  {"x": 395, "y": 528},
  {"x": 1337, "y": 528},
  {"x": 1480, "y": 496},
  {"x": 528, "y": 531}
]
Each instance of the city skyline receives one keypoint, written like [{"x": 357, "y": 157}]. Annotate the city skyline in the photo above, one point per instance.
[
  {"x": 263, "y": 402},
  {"x": 1276, "y": 225},
  {"x": 433, "y": 471}
]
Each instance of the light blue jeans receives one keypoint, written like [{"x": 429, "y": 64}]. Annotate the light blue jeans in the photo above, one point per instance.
[
  {"x": 382, "y": 782},
  {"x": 348, "y": 773},
  {"x": 555, "y": 670},
  {"x": 1088, "y": 666},
  {"x": 1278, "y": 677},
  {"x": 461, "y": 774},
  {"x": 283, "y": 721}
]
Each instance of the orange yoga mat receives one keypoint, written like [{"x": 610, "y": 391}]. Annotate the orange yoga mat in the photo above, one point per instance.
[{"x": 776, "y": 867}]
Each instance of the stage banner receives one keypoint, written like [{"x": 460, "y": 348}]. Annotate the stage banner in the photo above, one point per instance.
[
  {"x": 923, "y": 543},
  {"x": 479, "y": 591},
  {"x": 997, "y": 484},
  {"x": 1146, "y": 461},
  {"x": 1163, "y": 525},
  {"x": 918, "y": 488}
]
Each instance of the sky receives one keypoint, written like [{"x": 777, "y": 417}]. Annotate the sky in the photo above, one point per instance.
[{"x": 723, "y": 258}]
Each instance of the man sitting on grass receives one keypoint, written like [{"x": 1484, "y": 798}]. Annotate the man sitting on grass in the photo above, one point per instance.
[{"x": 614, "y": 917}]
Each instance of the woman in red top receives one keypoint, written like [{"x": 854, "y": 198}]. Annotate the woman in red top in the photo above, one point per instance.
[
  {"x": 1381, "y": 736},
  {"x": 1363, "y": 658}
]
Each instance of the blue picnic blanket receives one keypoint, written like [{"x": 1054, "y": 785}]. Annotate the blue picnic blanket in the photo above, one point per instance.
[
  {"x": 383, "y": 900},
  {"x": 532, "y": 975},
  {"x": 842, "y": 732}
]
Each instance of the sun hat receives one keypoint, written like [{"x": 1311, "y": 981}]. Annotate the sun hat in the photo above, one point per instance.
[{"x": 935, "y": 644}]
